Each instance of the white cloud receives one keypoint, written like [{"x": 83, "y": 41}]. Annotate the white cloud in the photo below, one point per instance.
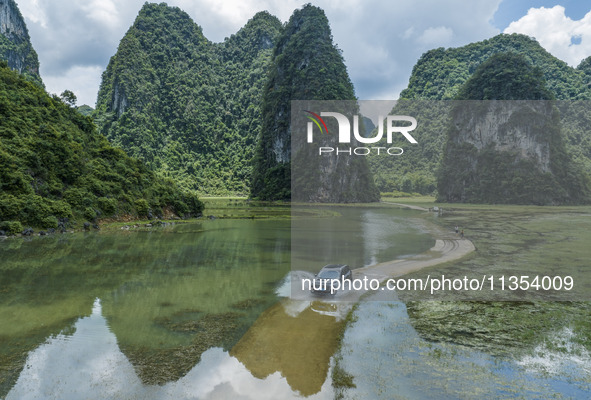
[
  {"x": 381, "y": 40},
  {"x": 103, "y": 11},
  {"x": 555, "y": 32},
  {"x": 438, "y": 36},
  {"x": 408, "y": 33},
  {"x": 70, "y": 367},
  {"x": 33, "y": 12}
]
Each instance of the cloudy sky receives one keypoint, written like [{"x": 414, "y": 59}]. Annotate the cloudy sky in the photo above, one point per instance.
[{"x": 381, "y": 39}]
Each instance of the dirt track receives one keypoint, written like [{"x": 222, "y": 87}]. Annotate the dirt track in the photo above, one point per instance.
[{"x": 444, "y": 250}]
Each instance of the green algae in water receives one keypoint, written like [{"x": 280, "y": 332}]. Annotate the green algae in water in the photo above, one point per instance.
[
  {"x": 517, "y": 241},
  {"x": 389, "y": 359},
  {"x": 499, "y": 328}
]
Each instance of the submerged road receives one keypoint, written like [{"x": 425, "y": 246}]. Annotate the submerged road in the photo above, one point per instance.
[
  {"x": 298, "y": 336},
  {"x": 444, "y": 250},
  {"x": 448, "y": 247}
]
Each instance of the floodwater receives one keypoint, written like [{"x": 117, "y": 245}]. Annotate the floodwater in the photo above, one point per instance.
[
  {"x": 201, "y": 311},
  {"x": 387, "y": 352},
  {"x": 195, "y": 310}
]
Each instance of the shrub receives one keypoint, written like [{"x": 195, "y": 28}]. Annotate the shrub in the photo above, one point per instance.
[
  {"x": 49, "y": 222},
  {"x": 10, "y": 206},
  {"x": 180, "y": 208},
  {"x": 89, "y": 214},
  {"x": 107, "y": 206},
  {"x": 78, "y": 197},
  {"x": 11, "y": 227},
  {"x": 34, "y": 209},
  {"x": 61, "y": 209},
  {"x": 194, "y": 204},
  {"x": 142, "y": 207}
]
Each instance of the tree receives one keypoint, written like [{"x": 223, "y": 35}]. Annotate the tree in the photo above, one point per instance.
[{"x": 69, "y": 98}]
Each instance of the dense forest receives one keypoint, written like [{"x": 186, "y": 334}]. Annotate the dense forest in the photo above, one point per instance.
[
  {"x": 185, "y": 106},
  {"x": 214, "y": 118},
  {"x": 440, "y": 74},
  {"x": 56, "y": 170},
  {"x": 194, "y": 111}
]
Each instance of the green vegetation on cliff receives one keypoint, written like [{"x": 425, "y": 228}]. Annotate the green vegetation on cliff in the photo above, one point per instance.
[
  {"x": 440, "y": 74},
  {"x": 54, "y": 165},
  {"x": 15, "y": 44},
  {"x": 505, "y": 76},
  {"x": 522, "y": 159},
  {"x": 187, "y": 107},
  {"x": 194, "y": 111},
  {"x": 306, "y": 66}
]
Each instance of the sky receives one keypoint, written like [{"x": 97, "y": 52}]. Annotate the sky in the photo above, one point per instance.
[{"x": 381, "y": 40}]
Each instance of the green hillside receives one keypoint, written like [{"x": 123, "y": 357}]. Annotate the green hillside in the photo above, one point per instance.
[
  {"x": 186, "y": 106},
  {"x": 440, "y": 73},
  {"x": 55, "y": 167}
]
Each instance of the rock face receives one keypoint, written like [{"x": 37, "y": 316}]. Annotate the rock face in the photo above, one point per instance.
[
  {"x": 520, "y": 127},
  {"x": 500, "y": 152},
  {"x": 306, "y": 66},
  {"x": 502, "y": 149},
  {"x": 439, "y": 75},
  {"x": 15, "y": 43}
]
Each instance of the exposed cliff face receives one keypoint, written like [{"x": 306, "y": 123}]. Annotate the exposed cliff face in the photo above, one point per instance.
[
  {"x": 15, "y": 43},
  {"x": 440, "y": 73},
  {"x": 521, "y": 127},
  {"x": 119, "y": 100},
  {"x": 306, "y": 66},
  {"x": 12, "y": 24},
  {"x": 503, "y": 150},
  {"x": 500, "y": 152}
]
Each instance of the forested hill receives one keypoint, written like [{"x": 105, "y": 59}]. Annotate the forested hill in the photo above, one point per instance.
[
  {"x": 56, "y": 169},
  {"x": 188, "y": 107},
  {"x": 15, "y": 44},
  {"x": 306, "y": 66},
  {"x": 440, "y": 73}
]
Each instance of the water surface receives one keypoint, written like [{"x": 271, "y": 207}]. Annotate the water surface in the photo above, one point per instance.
[{"x": 187, "y": 311}]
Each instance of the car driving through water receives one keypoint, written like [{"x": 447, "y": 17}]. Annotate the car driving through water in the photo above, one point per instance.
[{"x": 328, "y": 273}]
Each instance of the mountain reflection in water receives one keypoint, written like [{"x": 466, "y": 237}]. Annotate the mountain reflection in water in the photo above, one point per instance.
[
  {"x": 194, "y": 310},
  {"x": 66, "y": 367}
]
